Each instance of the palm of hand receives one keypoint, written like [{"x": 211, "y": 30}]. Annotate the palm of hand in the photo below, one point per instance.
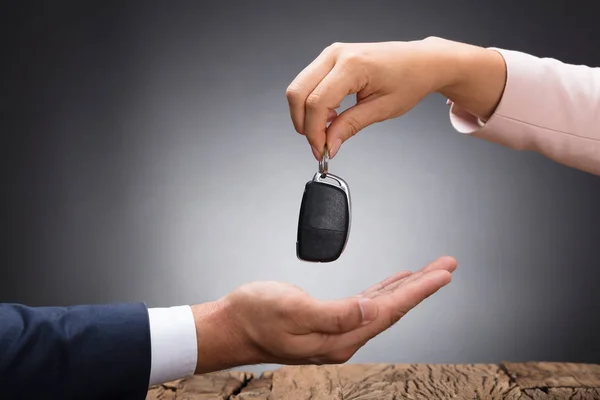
[{"x": 288, "y": 326}]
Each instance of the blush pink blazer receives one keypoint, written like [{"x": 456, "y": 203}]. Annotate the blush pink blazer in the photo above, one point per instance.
[{"x": 548, "y": 107}]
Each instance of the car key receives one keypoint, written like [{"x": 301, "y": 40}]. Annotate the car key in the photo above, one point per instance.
[{"x": 325, "y": 217}]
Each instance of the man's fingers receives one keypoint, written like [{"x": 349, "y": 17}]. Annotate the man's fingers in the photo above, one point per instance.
[
  {"x": 373, "y": 290},
  {"x": 443, "y": 263},
  {"x": 393, "y": 282},
  {"x": 395, "y": 305},
  {"x": 304, "y": 84},
  {"x": 352, "y": 121},
  {"x": 446, "y": 262},
  {"x": 412, "y": 293},
  {"x": 339, "y": 316}
]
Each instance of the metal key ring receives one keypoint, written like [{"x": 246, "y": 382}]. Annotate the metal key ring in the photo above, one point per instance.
[{"x": 324, "y": 164}]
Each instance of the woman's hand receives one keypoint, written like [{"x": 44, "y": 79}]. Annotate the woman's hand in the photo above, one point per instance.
[{"x": 389, "y": 79}]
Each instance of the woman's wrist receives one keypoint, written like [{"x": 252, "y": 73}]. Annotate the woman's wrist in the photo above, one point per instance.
[{"x": 472, "y": 77}]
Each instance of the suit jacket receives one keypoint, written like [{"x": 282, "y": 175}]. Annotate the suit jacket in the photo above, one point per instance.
[
  {"x": 80, "y": 352},
  {"x": 548, "y": 106}
]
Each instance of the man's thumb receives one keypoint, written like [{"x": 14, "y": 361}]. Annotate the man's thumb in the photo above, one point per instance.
[{"x": 339, "y": 316}]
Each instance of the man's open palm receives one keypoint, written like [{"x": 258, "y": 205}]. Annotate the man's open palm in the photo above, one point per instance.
[{"x": 285, "y": 325}]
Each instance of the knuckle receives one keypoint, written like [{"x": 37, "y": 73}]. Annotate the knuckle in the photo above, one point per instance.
[
  {"x": 313, "y": 101},
  {"x": 431, "y": 39},
  {"x": 292, "y": 92},
  {"x": 353, "y": 126},
  {"x": 354, "y": 58},
  {"x": 335, "y": 47}
]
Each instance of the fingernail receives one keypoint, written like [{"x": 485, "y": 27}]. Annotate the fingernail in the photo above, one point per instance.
[
  {"x": 316, "y": 153},
  {"x": 368, "y": 308},
  {"x": 335, "y": 147}
]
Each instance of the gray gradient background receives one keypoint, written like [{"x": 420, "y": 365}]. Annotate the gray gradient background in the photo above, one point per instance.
[{"x": 148, "y": 155}]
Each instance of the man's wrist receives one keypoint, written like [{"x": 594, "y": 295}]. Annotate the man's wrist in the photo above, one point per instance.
[{"x": 222, "y": 343}]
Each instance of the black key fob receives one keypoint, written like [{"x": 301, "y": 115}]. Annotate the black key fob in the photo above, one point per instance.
[{"x": 325, "y": 216}]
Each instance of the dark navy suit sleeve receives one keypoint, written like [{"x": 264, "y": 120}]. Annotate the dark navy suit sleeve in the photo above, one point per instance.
[{"x": 80, "y": 352}]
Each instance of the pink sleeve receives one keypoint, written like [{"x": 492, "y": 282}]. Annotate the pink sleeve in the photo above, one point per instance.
[{"x": 548, "y": 106}]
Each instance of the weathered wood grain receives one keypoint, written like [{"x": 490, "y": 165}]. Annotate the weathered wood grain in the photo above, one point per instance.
[
  {"x": 161, "y": 392},
  {"x": 514, "y": 381},
  {"x": 256, "y": 389},
  {"x": 560, "y": 394},
  {"x": 217, "y": 386},
  {"x": 385, "y": 381},
  {"x": 554, "y": 375}
]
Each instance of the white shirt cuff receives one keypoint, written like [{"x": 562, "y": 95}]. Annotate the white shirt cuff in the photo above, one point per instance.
[{"x": 173, "y": 342}]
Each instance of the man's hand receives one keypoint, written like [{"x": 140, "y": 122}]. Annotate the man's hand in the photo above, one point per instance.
[
  {"x": 389, "y": 79},
  {"x": 271, "y": 322}
]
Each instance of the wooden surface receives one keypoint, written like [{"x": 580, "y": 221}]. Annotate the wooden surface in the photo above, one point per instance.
[{"x": 527, "y": 381}]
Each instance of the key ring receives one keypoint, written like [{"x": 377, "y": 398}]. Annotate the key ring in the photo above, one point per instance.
[{"x": 324, "y": 164}]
